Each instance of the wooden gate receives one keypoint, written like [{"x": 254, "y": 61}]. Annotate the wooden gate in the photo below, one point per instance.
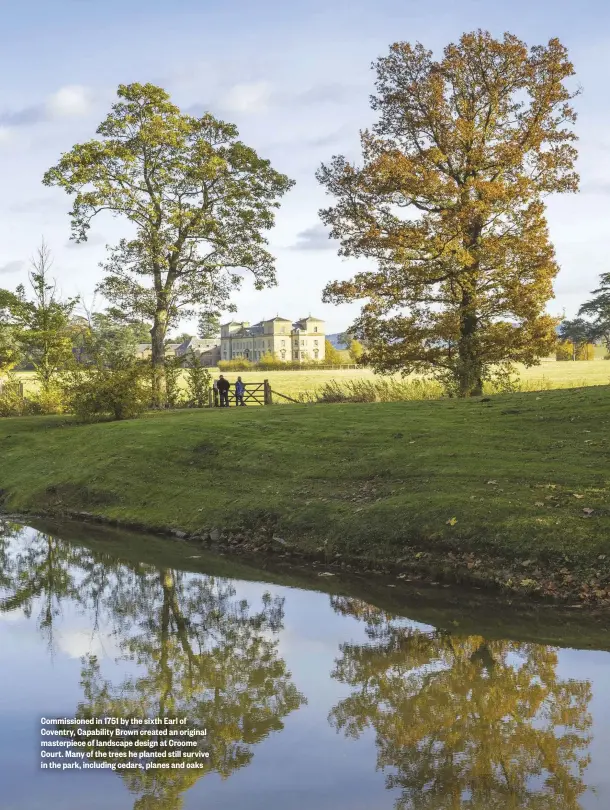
[
  {"x": 18, "y": 387},
  {"x": 255, "y": 393}
]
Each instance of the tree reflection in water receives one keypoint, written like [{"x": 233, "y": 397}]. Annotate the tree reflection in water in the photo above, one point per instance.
[
  {"x": 200, "y": 652},
  {"x": 463, "y": 723}
]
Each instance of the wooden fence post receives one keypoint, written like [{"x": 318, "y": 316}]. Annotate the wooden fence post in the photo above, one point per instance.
[
  {"x": 267, "y": 398},
  {"x": 210, "y": 398}
]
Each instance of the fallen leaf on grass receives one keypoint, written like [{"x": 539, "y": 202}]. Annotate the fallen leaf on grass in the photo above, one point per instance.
[
  {"x": 588, "y": 512},
  {"x": 325, "y": 574},
  {"x": 452, "y": 521},
  {"x": 576, "y": 495},
  {"x": 492, "y": 482},
  {"x": 539, "y": 503}
]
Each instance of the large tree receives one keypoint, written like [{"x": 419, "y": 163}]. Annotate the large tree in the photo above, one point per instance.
[
  {"x": 40, "y": 322},
  {"x": 10, "y": 350},
  {"x": 579, "y": 333},
  {"x": 449, "y": 204},
  {"x": 598, "y": 308},
  {"x": 198, "y": 200}
]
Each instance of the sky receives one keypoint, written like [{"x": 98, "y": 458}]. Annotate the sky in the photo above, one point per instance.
[{"x": 296, "y": 79}]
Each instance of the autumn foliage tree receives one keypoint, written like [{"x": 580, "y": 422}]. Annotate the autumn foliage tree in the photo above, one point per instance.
[
  {"x": 199, "y": 202},
  {"x": 449, "y": 203}
]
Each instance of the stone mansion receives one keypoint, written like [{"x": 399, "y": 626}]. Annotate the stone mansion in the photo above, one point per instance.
[{"x": 301, "y": 341}]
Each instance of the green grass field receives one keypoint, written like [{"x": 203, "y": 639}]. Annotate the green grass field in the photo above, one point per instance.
[
  {"x": 548, "y": 375},
  {"x": 519, "y": 480}
]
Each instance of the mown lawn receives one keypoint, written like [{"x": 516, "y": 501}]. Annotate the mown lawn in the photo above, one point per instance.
[{"x": 511, "y": 477}]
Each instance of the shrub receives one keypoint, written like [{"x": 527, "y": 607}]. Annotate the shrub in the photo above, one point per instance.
[
  {"x": 198, "y": 381},
  {"x": 269, "y": 362},
  {"x": 378, "y": 390},
  {"x": 173, "y": 369},
  {"x": 122, "y": 391},
  {"x": 235, "y": 365},
  {"x": 12, "y": 402},
  {"x": 47, "y": 400}
]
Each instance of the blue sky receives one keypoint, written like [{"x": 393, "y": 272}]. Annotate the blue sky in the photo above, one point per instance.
[{"x": 295, "y": 77}]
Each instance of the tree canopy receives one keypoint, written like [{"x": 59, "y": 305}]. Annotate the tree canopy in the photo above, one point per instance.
[
  {"x": 37, "y": 326},
  {"x": 578, "y": 332},
  {"x": 198, "y": 199},
  {"x": 208, "y": 325},
  {"x": 449, "y": 203},
  {"x": 598, "y": 308}
]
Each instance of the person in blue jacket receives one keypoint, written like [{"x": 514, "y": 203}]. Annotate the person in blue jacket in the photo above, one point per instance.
[{"x": 239, "y": 392}]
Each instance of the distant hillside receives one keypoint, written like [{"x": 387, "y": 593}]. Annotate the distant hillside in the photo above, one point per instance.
[{"x": 334, "y": 340}]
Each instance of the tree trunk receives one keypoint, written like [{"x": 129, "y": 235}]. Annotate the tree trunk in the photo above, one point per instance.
[
  {"x": 470, "y": 377},
  {"x": 470, "y": 373},
  {"x": 158, "y": 333}
]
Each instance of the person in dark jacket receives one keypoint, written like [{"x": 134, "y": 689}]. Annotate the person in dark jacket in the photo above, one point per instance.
[
  {"x": 223, "y": 389},
  {"x": 240, "y": 389}
]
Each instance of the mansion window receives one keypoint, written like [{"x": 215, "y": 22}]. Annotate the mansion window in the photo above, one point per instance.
[{"x": 315, "y": 329}]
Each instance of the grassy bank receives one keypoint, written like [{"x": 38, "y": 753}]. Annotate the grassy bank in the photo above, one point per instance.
[{"x": 514, "y": 490}]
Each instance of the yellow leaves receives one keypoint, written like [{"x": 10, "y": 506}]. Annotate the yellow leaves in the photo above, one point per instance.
[
  {"x": 452, "y": 521},
  {"x": 539, "y": 503},
  {"x": 576, "y": 495}
]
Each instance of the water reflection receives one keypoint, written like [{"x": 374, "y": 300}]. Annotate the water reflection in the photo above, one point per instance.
[
  {"x": 462, "y": 723},
  {"x": 199, "y": 652}
]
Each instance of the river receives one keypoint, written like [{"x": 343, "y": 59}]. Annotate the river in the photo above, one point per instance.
[{"x": 314, "y": 691}]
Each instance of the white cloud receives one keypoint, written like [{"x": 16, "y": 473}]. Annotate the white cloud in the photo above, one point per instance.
[
  {"x": 12, "y": 616},
  {"x": 77, "y": 643},
  {"x": 70, "y": 101},
  {"x": 248, "y": 98},
  {"x": 314, "y": 238},
  {"x": 12, "y": 267}
]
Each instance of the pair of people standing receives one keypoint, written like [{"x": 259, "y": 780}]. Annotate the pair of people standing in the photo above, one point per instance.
[{"x": 221, "y": 392}]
